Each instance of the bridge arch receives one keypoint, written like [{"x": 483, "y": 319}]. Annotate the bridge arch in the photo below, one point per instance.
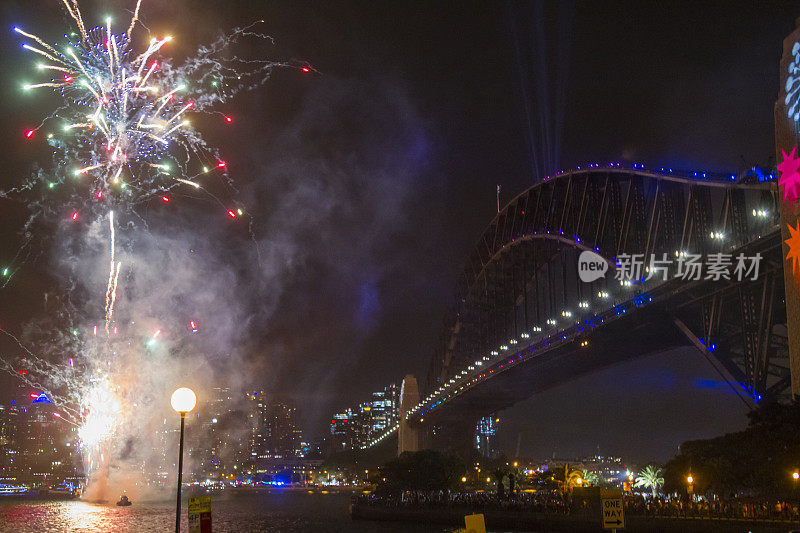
[{"x": 520, "y": 290}]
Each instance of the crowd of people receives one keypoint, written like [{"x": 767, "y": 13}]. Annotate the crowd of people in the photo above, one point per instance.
[
  {"x": 736, "y": 508},
  {"x": 545, "y": 502},
  {"x": 555, "y": 502}
]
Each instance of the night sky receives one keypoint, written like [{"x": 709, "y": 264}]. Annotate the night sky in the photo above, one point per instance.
[{"x": 370, "y": 180}]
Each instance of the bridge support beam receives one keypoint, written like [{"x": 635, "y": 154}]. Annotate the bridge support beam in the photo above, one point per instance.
[
  {"x": 408, "y": 436},
  {"x": 787, "y": 136}
]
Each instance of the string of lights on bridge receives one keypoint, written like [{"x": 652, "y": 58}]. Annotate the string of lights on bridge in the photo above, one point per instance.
[
  {"x": 757, "y": 173},
  {"x": 467, "y": 377}
]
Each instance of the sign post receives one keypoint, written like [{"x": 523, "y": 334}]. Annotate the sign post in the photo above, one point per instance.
[
  {"x": 474, "y": 523},
  {"x": 200, "y": 514},
  {"x": 613, "y": 512}
]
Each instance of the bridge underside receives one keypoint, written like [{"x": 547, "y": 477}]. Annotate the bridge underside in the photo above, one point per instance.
[
  {"x": 523, "y": 320},
  {"x": 453, "y": 428},
  {"x": 718, "y": 319}
]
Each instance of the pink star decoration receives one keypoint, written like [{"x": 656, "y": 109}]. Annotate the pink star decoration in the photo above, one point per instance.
[{"x": 790, "y": 175}]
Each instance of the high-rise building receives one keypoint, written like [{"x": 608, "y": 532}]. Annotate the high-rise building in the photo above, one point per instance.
[
  {"x": 311, "y": 449},
  {"x": 281, "y": 430},
  {"x": 221, "y": 434},
  {"x": 9, "y": 450},
  {"x": 384, "y": 407},
  {"x": 343, "y": 432},
  {"x": 273, "y": 432},
  {"x": 47, "y": 446},
  {"x": 485, "y": 431},
  {"x": 354, "y": 428}
]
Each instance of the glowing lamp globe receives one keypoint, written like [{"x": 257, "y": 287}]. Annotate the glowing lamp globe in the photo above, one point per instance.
[{"x": 183, "y": 400}]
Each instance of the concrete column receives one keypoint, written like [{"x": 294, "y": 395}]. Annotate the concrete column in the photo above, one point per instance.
[
  {"x": 407, "y": 436},
  {"x": 786, "y": 138}
]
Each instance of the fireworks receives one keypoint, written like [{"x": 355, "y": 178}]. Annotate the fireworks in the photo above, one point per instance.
[
  {"x": 122, "y": 134},
  {"x": 124, "y": 124}
]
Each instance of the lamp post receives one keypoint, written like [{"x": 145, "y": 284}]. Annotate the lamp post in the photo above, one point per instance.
[{"x": 183, "y": 400}]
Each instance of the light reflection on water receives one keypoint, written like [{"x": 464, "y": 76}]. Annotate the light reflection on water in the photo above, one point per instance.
[{"x": 290, "y": 512}]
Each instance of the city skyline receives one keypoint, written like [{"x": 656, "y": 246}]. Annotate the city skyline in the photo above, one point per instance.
[
  {"x": 301, "y": 266},
  {"x": 393, "y": 308}
]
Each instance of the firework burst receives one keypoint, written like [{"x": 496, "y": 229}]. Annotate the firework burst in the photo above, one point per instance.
[{"x": 123, "y": 133}]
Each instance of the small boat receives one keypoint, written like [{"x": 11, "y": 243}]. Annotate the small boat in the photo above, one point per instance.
[{"x": 124, "y": 501}]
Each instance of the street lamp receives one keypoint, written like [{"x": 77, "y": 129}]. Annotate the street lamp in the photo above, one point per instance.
[
  {"x": 690, "y": 479},
  {"x": 183, "y": 400}
]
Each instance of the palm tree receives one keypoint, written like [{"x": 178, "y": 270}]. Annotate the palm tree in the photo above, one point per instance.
[
  {"x": 569, "y": 478},
  {"x": 650, "y": 478},
  {"x": 499, "y": 474},
  {"x": 590, "y": 478}
]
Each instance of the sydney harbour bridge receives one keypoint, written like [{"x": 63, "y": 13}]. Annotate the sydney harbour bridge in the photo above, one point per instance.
[
  {"x": 523, "y": 319},
  {"x": 593, "y": 266}
]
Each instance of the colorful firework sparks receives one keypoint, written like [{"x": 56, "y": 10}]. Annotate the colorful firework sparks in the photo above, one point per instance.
[
  {"x": 124, "y": 128},
  {"x": 123, "y": 134}
]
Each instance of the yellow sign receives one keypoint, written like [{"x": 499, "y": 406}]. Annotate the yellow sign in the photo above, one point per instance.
[
  {"x": 200, "y": 514},
  {"x": 474, "y": 523},
  {"x": 613, "y": 514},
  {"x": 200, "y": 505}
]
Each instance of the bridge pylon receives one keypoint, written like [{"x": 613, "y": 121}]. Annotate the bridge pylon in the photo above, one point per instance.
[
  {"x": 787, "y": 136},
  {"x": 408, "y": 436}
]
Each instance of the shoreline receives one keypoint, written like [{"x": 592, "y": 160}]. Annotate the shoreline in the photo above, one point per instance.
[{"x": 532, "y": 521}]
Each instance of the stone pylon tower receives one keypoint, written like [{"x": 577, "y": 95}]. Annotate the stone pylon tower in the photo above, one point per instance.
[
  {"x": 787, "y": 136},
  {"x": 407, "y": 436}
]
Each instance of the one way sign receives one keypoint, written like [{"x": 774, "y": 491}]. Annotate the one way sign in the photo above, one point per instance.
[{"x": 613, "y": 515}]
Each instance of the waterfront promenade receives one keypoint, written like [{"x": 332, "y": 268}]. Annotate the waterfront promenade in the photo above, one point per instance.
[{"x": 550, "y": 512}]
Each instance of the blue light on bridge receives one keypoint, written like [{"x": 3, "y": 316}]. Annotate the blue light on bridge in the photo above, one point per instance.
[{"x": 705, "y": 384}]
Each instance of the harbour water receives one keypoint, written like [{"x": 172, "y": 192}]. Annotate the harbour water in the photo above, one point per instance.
[{"x": 274, "y": 512}]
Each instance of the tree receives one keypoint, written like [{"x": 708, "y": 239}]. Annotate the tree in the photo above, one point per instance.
[
  {"x": 513, "y": 477},
  {"x": 568, "y": 478},
  {"x": 425, "y": 470},
  {"x": 650, "y": 478},
  {"x": 590, "y": 478},
  {"x": 757, "y": 461},
  {"x": 499, "y": 474}
]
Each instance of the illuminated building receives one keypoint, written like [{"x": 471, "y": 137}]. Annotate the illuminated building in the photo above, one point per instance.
[
  {"x": 273, "y": 433},
  {"x": 354, "y": 428},
  {"x": 47, "y": 446},
  {"x": 343, "y": 434},
  {"x": 311, "y": 449},
  {"x": 281, "y": 430},
  {"x": 485, "y": 430},
  {"x": 384, "y": 409},
  {"x": 9, "y": 428},
  {"x": 220, "y": 424}
]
